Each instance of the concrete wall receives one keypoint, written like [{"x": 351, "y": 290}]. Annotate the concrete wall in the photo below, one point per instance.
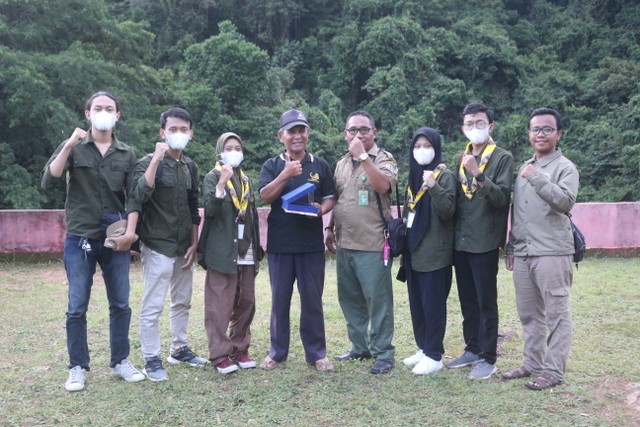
[{"x": 608, "y": 227}]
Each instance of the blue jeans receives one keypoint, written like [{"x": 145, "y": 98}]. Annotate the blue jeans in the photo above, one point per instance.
[{"x": 80, "y": 265}]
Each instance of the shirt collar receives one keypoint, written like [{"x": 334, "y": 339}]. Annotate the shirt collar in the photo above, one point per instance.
[
  {"x": 547, "y": 159},
  {"x": 308, "y": 157}
]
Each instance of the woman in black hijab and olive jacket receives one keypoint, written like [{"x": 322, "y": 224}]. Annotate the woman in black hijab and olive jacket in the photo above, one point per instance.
[{"x": 429, "y": 211}]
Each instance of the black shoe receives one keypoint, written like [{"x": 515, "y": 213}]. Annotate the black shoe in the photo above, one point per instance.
[
  {"x": 350, "y": 356},
  {"x": 382, "y": 366}
]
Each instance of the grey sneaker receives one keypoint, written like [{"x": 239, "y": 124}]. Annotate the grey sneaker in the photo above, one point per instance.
[
  {"x": 153, "y": 369},
  {"x": 465, "y": 359},
  {"x": 127, "y": 372},
  {"x": 185, "y": 355},
  {"x": 75, "y": 382},
  {"x": 482, "y": 371}
]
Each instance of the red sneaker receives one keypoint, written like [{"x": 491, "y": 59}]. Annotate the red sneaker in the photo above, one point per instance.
[
  {"x": 226, "y": 366},
  {"x": 245, "y": 361}
]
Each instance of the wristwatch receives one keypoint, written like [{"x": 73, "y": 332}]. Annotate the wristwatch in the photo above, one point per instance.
[
  {"x": 480, "y": 177},
  {"x": 363, "y": 157}
]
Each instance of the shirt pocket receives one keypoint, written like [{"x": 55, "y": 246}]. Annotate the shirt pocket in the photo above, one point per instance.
[
  {"x": 117, "y": 171},
  {"x": 167, "y": 180},
  {"x": 82, "y": 162}
]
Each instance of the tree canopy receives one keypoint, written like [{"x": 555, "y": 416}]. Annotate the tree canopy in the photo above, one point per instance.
[{"x": 236, "y": 65}]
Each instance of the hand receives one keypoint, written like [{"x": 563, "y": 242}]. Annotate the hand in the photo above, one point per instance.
[
  {"x": 508, "y": 262},
  {"x": 190, "y": 256},
  {"x": 319, "y": 206},
  {"x": 124, "y": 242},
  {"x": 429, "y": 178},
  {"x": 356, "y": 148},
  {"x": 291, "y": 167},
  {"x": 528, "y": 170},
  {"x": 225, "y": 174},
  {"x": 161, "y": 148},
  {"x": 256, "y": 269},
  {"x": 76, "y": 137},
  {"x": 330, "y": 241},
  {"x": 470, "y": 164}
]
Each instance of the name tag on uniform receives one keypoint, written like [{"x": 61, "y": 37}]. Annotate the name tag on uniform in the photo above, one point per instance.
[
  {"x": 410, "y": 217},
  {"x": 363, "y": 198},
  {"x": 240, "y": 231}
]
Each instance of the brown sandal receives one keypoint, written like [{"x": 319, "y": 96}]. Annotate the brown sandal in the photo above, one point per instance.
[
  {"x": 543, "y": 382},
  {"x": 520, "y": 372},
  {"x": 269, "y": 364},
  {"x": 324, "y": 365}
]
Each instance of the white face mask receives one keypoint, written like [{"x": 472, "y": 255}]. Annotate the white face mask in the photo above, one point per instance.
[
  {"x": 178, "y": 140},
  {"x": 477, "y": 136},
  {"x": 424, "y": 156},
  {"x": 232, "y": 158},
  {"x": 103, "y": 120}
]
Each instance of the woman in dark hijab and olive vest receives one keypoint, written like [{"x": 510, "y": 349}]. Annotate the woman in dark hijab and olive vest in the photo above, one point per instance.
[{"x": 429, "y": 211}]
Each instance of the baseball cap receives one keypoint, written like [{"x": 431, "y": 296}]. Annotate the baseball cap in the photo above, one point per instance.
[{"x": 291, "y": 118}]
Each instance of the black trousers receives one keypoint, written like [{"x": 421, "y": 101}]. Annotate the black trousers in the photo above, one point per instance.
[
  {"x": 476, "y": 277},
  {"x": 428, "y": 293}
]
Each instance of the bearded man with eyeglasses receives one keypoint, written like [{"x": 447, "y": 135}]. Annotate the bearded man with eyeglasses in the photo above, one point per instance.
[
  {"x": 364, "y": 178},
  {"x": 485, "y": 175}
]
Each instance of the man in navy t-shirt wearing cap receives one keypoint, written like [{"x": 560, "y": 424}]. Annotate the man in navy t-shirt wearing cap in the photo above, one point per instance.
[{"x": 295, "y": 242}]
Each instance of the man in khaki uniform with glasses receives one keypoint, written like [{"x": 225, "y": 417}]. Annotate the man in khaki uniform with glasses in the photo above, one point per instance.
[{"x": 364, "y": 278}]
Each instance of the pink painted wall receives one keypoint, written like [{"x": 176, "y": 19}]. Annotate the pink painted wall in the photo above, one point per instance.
[{"x": 606, "y": 226}]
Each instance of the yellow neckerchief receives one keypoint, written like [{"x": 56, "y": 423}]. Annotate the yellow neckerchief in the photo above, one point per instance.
[
  {"x": 484, "y": 159},
  {"x": 411, "y": 201},
  {"x": 241, "y": 203}
]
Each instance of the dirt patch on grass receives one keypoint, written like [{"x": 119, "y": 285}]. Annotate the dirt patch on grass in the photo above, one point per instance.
[{"x": 624, "y": 397}]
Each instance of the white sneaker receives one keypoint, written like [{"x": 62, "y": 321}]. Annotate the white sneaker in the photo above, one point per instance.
[
  {"x": 127, "y": 372},
  {"x": 427, "y": 366},
  {"x": 413, "y": 360},
  {"x": 75, "y": 382}
]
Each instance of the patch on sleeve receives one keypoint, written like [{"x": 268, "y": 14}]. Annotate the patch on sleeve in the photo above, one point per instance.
[{"x": 389, "y": 166}]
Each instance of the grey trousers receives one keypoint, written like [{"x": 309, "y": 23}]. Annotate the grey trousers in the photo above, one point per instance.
[
  {"x": 162, "y": 274},
  {"x": 543, "y": 291}
]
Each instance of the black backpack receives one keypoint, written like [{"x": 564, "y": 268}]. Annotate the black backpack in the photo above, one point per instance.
[
  {"x": 579, "y": 242},
  {"x": 395, "y": 230}
]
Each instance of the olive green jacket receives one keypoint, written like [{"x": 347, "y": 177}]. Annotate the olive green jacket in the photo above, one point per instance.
[
  {"x": 436, "y": 249},
  {"x": 97, "y": 185},
  {"x": 481, "y": 222},
  {"x": 218, "y": 247}
]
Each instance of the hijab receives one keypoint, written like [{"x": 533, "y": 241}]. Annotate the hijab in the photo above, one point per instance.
[{"x": 422, "y": 219}]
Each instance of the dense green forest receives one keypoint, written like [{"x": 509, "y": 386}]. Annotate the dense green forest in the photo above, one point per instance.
[{"x": 237, "y": 64}]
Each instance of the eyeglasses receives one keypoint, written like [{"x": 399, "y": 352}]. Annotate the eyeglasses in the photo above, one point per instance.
[
  {"x": 546, "y": 130},
  {"x": 480, "y": 124},
  {"x": 354, "y": 131}
]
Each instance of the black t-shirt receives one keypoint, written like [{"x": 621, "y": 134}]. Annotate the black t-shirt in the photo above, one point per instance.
[{"x": 293, "y": 233}]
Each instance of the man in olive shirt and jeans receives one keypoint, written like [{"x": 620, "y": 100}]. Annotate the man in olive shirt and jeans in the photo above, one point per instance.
[
  {"x": 167, "y": 196},
  {"x": 98, "y": 169},
  {"x": 364, "y": 279},
  {"x": 485, "y": 175}
]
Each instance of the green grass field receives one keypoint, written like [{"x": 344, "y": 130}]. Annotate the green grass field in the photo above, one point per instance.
[{"x": 602, "y": 383}]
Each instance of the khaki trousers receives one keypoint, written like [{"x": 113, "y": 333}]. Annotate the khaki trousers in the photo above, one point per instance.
[
  {"x": 229, "y": 304},
  {"x": 543, "y": 291}
]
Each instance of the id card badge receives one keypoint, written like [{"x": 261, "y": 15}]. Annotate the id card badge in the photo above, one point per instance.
[
  {"x": 363, "y": 198},
  {"x": 240, "y": 231},
  {"x": 410, "y": 217}
]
